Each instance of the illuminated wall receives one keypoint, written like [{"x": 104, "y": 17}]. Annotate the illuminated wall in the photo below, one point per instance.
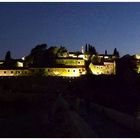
[
  {"x": 13, "y": 72},
  {"x": 136, "y": 63},
  {"x": 108, "y": 68},
  {"x": 66, "y": 72},
  {"x": 70, "y": 62},
  {"x": 19, "y": 64},
  {"x": 67, "y": 67}
]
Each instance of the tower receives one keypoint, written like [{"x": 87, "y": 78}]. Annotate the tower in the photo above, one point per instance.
[{"x": 82, "y": 49}]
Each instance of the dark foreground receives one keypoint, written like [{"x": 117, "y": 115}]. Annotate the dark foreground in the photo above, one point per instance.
[{"x": 59, "y": 107}]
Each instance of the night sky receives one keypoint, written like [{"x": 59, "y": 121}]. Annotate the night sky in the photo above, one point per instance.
[{"x": 104, "y": 25}]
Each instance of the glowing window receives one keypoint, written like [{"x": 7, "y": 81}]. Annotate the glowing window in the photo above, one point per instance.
[{"x": 16, "y": 71}]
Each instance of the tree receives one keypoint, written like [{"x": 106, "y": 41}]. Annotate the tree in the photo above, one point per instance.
[
  {"x": 8, "y": 56},
  {"x": 91, "y": 49},
  {"x": 38, "y": 48},
  {"x": 52, "y": 51},
  {"x": 35, "y": 57},
  {"x": 96, "y": 59},
  {"x": 116, "y": 53},
  {"x": 94, "y": 50},
  {"x": 62, "y": 52},
  {"x": 105, "y": 52},
  {"x": 86, "y": 48}
]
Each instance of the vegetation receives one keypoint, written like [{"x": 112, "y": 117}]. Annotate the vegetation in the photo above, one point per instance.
[
  {"x": 43, "y": 56},
  {"x": 116, "y": 53},
  {"x": 90, "y": 49}
]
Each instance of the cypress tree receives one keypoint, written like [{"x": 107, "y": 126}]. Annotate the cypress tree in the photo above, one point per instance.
[
  {"x": 86, "y": 48},
  {"x": 8, "y": 55}
]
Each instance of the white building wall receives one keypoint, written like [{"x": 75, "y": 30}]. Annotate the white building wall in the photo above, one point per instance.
[{"x": 108, "y": 68}]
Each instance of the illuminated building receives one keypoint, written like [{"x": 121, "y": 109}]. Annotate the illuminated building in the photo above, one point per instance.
[
  {"x": 103, "y": 64},
  {"x": 135, "y": 62},
  {"x": 107, "y": 68},
  {"x": 65, "y": 67},
  {"x": 68, "y": 64}
]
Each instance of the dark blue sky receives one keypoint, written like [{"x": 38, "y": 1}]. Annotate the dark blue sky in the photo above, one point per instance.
[{"x": 105, "y": 25}]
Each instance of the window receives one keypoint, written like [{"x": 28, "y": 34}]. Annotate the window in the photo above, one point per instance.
[
  {"x": 83, "y": 70},
  {"x": 73, "y": 70},
  {"x": 4, "y": 71},
  {"x": 17, "y": 71},
  {"x": 11, "y": 71},
  {"x": 68, "y": 70}
]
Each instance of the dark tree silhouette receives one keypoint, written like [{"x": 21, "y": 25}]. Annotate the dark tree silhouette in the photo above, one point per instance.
[
  {"x": 39, "y": 48},
  {"x": 90, "y": 49},
  {"x": 86, "y": 48},
  {"x": 35, "y": 58},
  {"x": 62, "y": 51},
  {"x": 105, "y": 52},
  {"x": 8, "y": 56},
  {"x": 94, "y": 50},
  {"x": 116, "y": 53}
]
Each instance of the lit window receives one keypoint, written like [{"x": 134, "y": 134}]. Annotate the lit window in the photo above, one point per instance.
[{"x": 16, "y": 71}]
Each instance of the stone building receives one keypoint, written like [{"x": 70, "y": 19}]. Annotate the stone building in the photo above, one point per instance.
[{"x": 74, "y": 64}]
